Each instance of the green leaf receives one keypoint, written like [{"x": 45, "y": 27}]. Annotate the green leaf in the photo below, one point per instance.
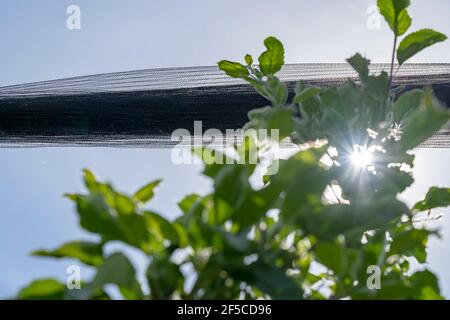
[
  {"x": 248, "y": 60},
  {"x": 422, "y": 285},
  {"x": 396, "y": 15},
  {"x": 327, "y": 222},
  {"x": 161, "y": 229},
  {"x": 411, "y": 243},
  {"x": 120, "y": 202},
  {"x": 303, "y": 181},
  {"x": 306, "y": 94},
  {"x": 422, "y": 125},
  {"x": 231, "y": 184},
  {"x": 238, "y": 242},
  {"x": 98, "y": 217},
  {"x": 341, "y": 107},
  {"x": 51, "y": 289},
  {"x": 390, "y": 181},
  {"x": 332, "y": 256},
  {"x": 425, "y": 285},
  {"x": 361, "y": 66},
  {"x": 378, "y": 87},
  {"x": 406, "y": 104},
  {"x": 213, "y": 159},
  {"x": 233, "y": 69},
  {"x": 435, "y": 198},
  {"x": 87, "y": 252},
  {"x": 271, "y": 61},
  {"x": 278, "y": 90},
  {"x": 118, "y": 270},
  {"x": 146, "y": 193},
  {"x": 270, "y": 279},
  {"x": 44, "y": 289},
  {"x": 270, "y": 118},
  {"x": 164, "y": 278},
  {"x": 281, "y": 120},
  {"x": 254, "y": 206},
  {"x": 273, "y": 90},
  {"x": 89, "y": 178},
  {"x": 416, "y": 42},
  {"x": 123, "y": 204},
  {"x": 187, "y": 202}
]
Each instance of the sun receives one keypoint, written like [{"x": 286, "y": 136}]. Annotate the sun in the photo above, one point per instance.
[{"x": 361, "y": 157}]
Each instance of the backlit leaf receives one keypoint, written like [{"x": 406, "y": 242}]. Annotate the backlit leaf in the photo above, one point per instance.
[
  {"x": 435, "y": 198},
  {"x": 146, "y": 193},
  {"x": 87, "y": 252},
  {"x": 361, "y": 66},
  {"x": 421, "y": 125},
  {"x": 233, "y": 69},
  {"x": 396, "y": 15},
  {"x": 416, "y": 42},
  {"x": 411, "y": 243},
  {"x": 45, "y": 289},
  {"x": 406, "y": 104},
  {"x": 271, "y": 61}
]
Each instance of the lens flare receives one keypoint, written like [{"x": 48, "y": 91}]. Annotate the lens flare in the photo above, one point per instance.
[{"x": 361, "y": 157}]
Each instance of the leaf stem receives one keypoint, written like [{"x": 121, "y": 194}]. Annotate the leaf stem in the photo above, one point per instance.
[
  {"x": 391, "y": 74},
  {"x": 392, "y": 61}
]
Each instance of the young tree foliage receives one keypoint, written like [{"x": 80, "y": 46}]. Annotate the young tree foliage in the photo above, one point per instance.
[{"x": 242, "y": 242}]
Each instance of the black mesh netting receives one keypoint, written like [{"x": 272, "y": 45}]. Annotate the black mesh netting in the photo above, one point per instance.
[{"x": 143, "y": 108}]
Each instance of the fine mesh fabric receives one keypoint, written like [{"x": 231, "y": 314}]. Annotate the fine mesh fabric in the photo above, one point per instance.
[{"x": 142, "y": 108}]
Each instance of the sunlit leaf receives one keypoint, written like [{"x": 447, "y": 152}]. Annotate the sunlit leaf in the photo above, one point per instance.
[
  {"x": 160, "y": 228},
  {"x": 233, "y": 69},
  {"x": 187, "y": 202},
  {"x": 396, "y": 15},
  {"x": 271, "y": 61},
  {"x": 146, "y": 193},
  {"x": 89, "y": 178},
  {"x": 435, "y": 198},
  {"x": 248, "y": 59},
  {"x": 45, "y": 289},
  {"x": 87, "y": 252},
  {"x": 416, "y": 42},
  {"x": 425, "y": 285}
]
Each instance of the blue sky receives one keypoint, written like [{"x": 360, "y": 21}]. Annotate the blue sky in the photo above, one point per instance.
[
  {"x": 121, "y": 35},
  {"x": 128, "y": 35}
]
